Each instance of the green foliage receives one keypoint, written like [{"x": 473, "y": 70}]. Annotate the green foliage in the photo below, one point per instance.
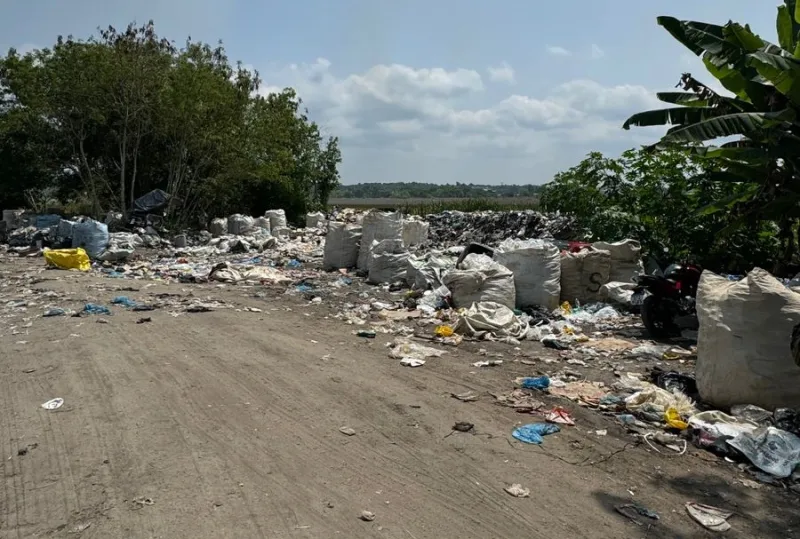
[
  {"x": 760, "y": 122},
  {"x": 664, "y": 200},
  {"x": 429, "y": 190},
  {"x": 110, "y": 118}
]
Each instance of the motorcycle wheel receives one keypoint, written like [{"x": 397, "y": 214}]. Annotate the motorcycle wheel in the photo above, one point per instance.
[{"x": 656, "y": 318}]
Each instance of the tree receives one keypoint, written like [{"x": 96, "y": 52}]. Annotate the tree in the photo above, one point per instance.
[
  {"x": 658, "y": 199},
  {"x": 759, "y": 120},
  {"x": 106, "y": 119}
]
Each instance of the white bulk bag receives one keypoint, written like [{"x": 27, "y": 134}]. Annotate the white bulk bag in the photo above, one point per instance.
[
  {"x": 743, "y": 347},
  {"x": 378, "y": 226},
  {"x": 626, "y": 259},
  {"x": 388, "y": 260},
  {"x": 313, "y": 220},
  {"x": 240, "y": 225},
  {"x": 218, "y": 227},
  {"x": 537, "y": 271},
  {"x": 482, "y": 279},
  {"x": 262, "y": 223},
  {"x": 415, "y": 232},
  {"x": 583, "y": 275},
  {"x": 277, "y": 219},
  {"x": 341, "y": 246}
]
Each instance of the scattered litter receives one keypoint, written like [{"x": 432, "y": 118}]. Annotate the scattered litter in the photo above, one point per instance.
[
  {"x": 709, "y": 517},
  {"x": 772, "y": 450},
  {"x": 539, "y": 382},
  {"x": 633, "y": 510},
  {"x": 412, "y": 362},
  {"x": 54, "y": 311},
  {"x": 518, "y": 491},
  {"x": 349, "y": 431},
  {"x": 141, "y": 501},
  {"x": 144, "y": 320},
  {"x": 366, "y": 334},
  {"x": 488, "y": 363},
  {"x": 91, "y": 308},
  {"x": 519, "y": 399},
  {"x": 601, "y": 432},
  {"x": 463, "y": 426},
  {"x": 53, "y": 404},
  {"x": 533, "y": 433},
  {"x": 367, "y": 516},
  {"x": 464, "y": 397},
  {"x": 559, "y": 415}
]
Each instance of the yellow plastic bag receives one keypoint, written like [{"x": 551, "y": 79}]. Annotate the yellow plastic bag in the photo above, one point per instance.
[
  {"x": 443, "y": 331},
  {"x": 566, "y": 308},
  {"x": 69, "y": 259},
  {"x": 673, "y": 419}
]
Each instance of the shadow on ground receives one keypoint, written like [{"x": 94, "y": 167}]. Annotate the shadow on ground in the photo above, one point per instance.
[{"x": 767, "y": 513}]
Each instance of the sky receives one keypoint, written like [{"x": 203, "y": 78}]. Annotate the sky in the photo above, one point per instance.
[{"x": 440, "y": 91}]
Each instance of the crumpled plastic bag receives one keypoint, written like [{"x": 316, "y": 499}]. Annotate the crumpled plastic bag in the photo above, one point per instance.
[
  {"x": 487, "y": 318},
  {"x": 406, "y": 350},
  {"x": 717, "y": 424},
  {"x": 68, "y": 259},
  {"x": 534, "y": 432},
  {"x": 653, "y": 402},
  {"x": 772, "y": 450}
]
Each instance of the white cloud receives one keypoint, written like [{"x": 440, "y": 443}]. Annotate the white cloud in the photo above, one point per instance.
[
  {"x": 502, "y": 73},
  {"x": 597, "y": 52},
  {"x": 555, "y": 50},
  {"x": 436, "y": 124}
]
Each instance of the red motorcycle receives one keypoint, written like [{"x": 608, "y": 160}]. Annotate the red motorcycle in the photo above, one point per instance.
[{"x": 667, "y": 302}]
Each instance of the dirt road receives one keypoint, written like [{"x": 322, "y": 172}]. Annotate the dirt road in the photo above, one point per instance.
[{"x": 226, "y": 424}]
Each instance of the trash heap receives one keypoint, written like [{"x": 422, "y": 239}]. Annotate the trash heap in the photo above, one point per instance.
[{"x": 451, "y": 228}]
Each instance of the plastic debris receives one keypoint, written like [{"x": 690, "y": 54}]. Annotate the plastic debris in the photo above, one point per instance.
[
  {"x": 533, "y": 433},
  {"x": 559, "y": 415},
  {"x": 366, "y": 334},
  {"x": 443, "y": 331},
  {"x": 53, "y": 404},
  {"x": 633, "y": 510},
  {"x": 712, "y": 518},
  {"x": 68, "y": 259},
  {"x": 348, "y": 431},
  {"x": 91, "y": 308},
  {"x": 674, "y": 420},
  {"x": 54, "y": 311},
  {"x": 412, "y": 362},
  {"x": 518, "y": 491},
  {"x": 367, "y": 516},
  {"x": 772, "y": 450},
  {"x": 539, "y": 382},
  {"x": 125, "y": 301}
]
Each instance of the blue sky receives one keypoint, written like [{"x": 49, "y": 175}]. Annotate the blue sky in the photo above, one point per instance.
[{"x": 508, "y": 91}]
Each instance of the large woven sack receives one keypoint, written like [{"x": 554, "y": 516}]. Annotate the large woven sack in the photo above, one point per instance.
[
  {"x": 537, "y": 271},
  {"x": 481, "y": 279},
  {"x": 92, "y": 236},
  {"x": 378, "y": 226},
  {"x": 626, "y": 259},
  {"x": 415, "y": 232},
  {"x": 388, "y": 261},
  {"x": 277, "y": 219},
  {"x": 743, "y": 348},
  {"x": 583, "y": 274},
  {"x": 341, "y": 246},
  {"x": 218, "y": 227}
]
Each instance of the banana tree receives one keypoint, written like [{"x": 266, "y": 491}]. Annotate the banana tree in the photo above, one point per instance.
[{"x": 754, "y": 133}]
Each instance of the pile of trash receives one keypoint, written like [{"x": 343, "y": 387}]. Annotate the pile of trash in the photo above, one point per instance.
[{"x": 451, "y": 228}]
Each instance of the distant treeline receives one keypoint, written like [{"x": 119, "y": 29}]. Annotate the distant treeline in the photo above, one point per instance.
[{"x": 430, "y": 190}]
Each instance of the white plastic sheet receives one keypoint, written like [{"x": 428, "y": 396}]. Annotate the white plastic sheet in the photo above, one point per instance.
[
  {"x": 482, "y": 279},
  {"x": 537, "y": 271}
]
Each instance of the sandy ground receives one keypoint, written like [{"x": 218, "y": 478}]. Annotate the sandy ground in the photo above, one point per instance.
[{"x": 226, "y": 424}]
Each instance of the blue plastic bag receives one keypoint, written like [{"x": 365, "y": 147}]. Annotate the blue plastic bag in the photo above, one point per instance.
[
  {"x": 539, "y": 382},
  {"x": 92, "y": 236},
  {"x": 532, "y": 434},
  {"x": 125, "y": 301},
  {"x": 91, "y": 308}
]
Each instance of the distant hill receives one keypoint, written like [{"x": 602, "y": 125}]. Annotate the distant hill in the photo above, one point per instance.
[{"x": 428, "y": 190}]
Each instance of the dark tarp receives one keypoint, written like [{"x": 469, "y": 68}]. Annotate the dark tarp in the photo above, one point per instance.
[{"x": 154, "y": 201}]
